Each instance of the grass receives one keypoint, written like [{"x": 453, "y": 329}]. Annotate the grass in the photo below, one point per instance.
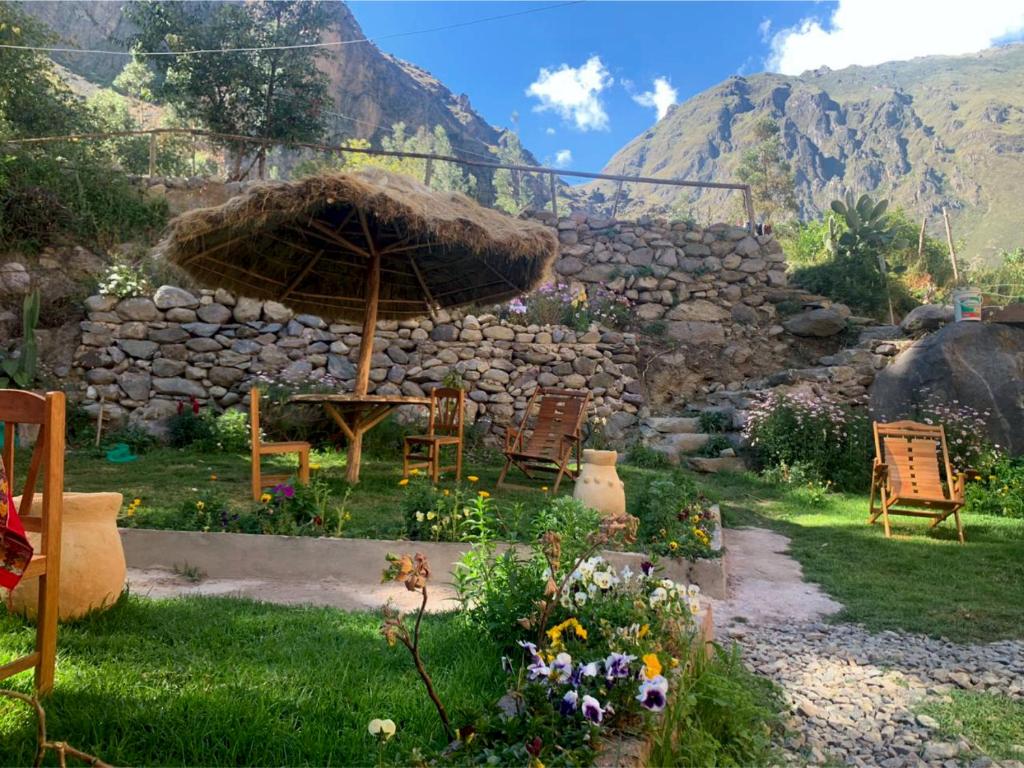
[
  {"x": 166, "y": 479},
  {"x": 991, "y": 722},
  {"x": 219, "y": 681},
  {"x": 919, "y": 580}
]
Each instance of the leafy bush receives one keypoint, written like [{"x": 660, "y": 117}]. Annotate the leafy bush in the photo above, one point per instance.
[
  {"x": 713, "y": 422},
  {"x": 831, "y": 443},
  {"x": 190, "y": 428},
  {"x": 1000, "y": 492},
  {"x": 559, "y": 304},
  {"x": 302, "y": 510},
  {"x": 645, "y": 457},
  {"x": 714, "y": 446},
  {"x": 964, "y": 426},
  {"x": 675, "y": 519},
  {"x": 231, "y": 432},
  {"x": 123, "y": 281}
]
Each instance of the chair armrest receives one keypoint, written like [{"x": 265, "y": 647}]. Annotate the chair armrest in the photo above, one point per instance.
[{"x": 879, "y": 469}]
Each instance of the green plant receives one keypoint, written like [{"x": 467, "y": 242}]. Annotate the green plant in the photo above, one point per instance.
[
  {"x": 302, "y": 510},
  {"x": 135, "y": 437},
  {"x": 713, "y": 422},
  {"x": 714, "y": 446},
  {"x": 675, "y": 520},
  {"x": 642, "y": 455},
  {"x": 998, "y": 492},
  {"x": 830, "y": 442},
  {"x": 188, "y": 572},
  {"x": 21, "y": 370},
  {"x": 189, "y": 428},
  {"x": 231, "y": 432},
  {"x": 123, "y": 280}
]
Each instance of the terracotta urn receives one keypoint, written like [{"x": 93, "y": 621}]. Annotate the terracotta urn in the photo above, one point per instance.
[
  {"x": 92, "y": 568},
  {"x": 598, "y": 485}
]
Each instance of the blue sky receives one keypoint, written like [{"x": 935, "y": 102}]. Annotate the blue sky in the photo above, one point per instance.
[{"x": 592, "y": 69}]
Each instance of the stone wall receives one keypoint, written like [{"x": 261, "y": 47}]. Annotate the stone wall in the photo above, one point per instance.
[{"x": 143, "y": 355}]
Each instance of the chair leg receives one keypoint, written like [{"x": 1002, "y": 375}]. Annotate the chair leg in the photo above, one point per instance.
[
  {"x": 885, "y": 516},
  {"x": 959, "y": 525},
  {"x": 872, "y": 512},
  {"x": 435, "y": 463},
  {"x": 46, "y": 634},
  {"x": 304, "y": 466},
  {"x": 561, "y": 471},
  {"x": 256, "y": 484},
  {"x": 405, "y": 458},
  {"x": 458, "y": 461},
  {"x": 504, "y": 472}
]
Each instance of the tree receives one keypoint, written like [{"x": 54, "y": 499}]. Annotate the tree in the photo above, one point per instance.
[
  {"x": 766, "y": 170},
  {"x": 136, "y": 80},
  {"x": 276, "y": 92},
  {"x": 512, "y": 193}
]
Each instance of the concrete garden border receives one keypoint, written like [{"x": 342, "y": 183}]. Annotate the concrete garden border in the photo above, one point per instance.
[{"x": 290, "y": 558}]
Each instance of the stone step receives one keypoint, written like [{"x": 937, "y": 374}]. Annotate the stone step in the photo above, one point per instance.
[
  {"x": 679, "y": 443},
  {"x": 671, "y": 425},
  {"x": 717, "y": 464}
]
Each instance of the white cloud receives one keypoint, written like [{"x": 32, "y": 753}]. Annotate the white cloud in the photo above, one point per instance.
[
  {"x": 661, "y": 98},
  {"x": 869, "y": 32},
  {"x": 562, "y": 158},
  {"x": 549, "y": 131},
  {"x": 764, "y": 30},
  {"x": 574, "y": 93}
]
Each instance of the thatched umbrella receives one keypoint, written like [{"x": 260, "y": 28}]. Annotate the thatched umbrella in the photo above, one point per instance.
[{"x": 360, "y": 247}]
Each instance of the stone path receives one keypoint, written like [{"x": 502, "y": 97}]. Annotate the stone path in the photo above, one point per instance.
[{"x": 853, "y": 694}]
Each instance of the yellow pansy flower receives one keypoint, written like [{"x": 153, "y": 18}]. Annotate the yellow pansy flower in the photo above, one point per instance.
[
  {"x": 265, "y": 498},
  {"x": 472, "y": 478},
  {"x": 200, "y": 506},
  {"x": 483, "y": 494},
  {"x": 652, "y": 667},
  {"x": 404, "y": 481}
]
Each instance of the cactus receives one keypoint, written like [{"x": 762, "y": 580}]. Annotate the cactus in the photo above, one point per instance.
[{"x": 21, "y": 371}]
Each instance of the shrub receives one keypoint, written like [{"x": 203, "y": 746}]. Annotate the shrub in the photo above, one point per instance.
[
  {"x": 645, "y": 457},
  {"x": 675, "y": 519},
  {"x": 558, "y": 303},
  {"x": 190, "y": 428},
  {"x": 123, "y": 281},
  {"x": 302, "y": 510},
  {"x": 714, "y": 422},
  {"x": 714, "y": 446},
  {"x": 832, "y": 443},
  {"x": 964, "y": 426},
  {"x": 1000, "y": 492}
]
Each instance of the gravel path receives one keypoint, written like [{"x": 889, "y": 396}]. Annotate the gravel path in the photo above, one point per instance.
[{"x": 853, "y": 694}]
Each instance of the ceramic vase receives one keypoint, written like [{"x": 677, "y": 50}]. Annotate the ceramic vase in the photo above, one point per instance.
[
  {"x": 598, "y": 485},
  {"x": 92, "y": 567}
]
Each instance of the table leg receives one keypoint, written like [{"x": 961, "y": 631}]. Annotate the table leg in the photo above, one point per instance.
[{"x": 355, "y": 455}]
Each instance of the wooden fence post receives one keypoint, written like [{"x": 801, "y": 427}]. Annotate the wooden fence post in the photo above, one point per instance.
[
  {"x": 152, "y": 154},
  {"x": 554, "y": 195}
]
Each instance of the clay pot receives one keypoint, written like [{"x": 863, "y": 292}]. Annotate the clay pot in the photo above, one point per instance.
[
  {"x": 598, "y": 485},
  {"x": 92, "y": 568}
]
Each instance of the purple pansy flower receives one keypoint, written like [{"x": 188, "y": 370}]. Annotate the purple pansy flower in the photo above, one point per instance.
[
  {"x": 568, "y": 705},
  {"x": 283, "y": 489},
  {"x": 592, "y": 709},
  {"x": 647, "y": 567},
  {"x": 653, "y": 694},
  {"x": 561, "y": 667},
  {"x": 617, "y": 665}
]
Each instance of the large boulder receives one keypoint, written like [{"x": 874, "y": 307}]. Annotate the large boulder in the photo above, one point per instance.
[
  {"x": 816, "y": 322},
  {"x": 979, "y": 365},
  {"x": 927, "y": 317}
]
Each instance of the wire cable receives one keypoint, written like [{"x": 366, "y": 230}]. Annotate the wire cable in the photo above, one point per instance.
[{"x": 333, "y": 44}]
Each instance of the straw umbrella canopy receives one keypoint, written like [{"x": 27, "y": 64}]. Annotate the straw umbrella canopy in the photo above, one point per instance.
[{"x": 360, "y": 247}]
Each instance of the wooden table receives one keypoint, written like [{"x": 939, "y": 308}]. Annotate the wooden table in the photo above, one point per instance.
[{"x": 357, "y": 415}]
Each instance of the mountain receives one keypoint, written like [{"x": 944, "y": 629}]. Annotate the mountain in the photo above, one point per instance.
[
  {"x": 929, "y": 132},
  {"x": 372, "y": 90}
]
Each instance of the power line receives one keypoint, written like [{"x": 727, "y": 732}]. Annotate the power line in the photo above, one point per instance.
[{"x": 334, "y": 44}]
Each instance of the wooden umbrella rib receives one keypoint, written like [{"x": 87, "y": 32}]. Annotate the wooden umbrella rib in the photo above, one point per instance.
[
  {"x": 423, "y": 284},
  {"x": 290, "y": 243},
  {"x": 332, "y": 235},
  {"x": 469, "y": 288},
  {"x": 234, "y": 269},
  {"x": 303, "y": 273},
  {"x": 213, "y": 249}
]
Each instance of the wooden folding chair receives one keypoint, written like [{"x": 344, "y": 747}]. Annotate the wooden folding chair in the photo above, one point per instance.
[
  {"x": 447, "y": 407},
  {"x": 912, "y": 475},
  {"x": 17, "y": 407},
  {"x": 261, "y": 449},
  {"x": 555, "y": 435}
]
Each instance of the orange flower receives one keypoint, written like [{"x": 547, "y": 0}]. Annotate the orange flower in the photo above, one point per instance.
[{"x": 652, "y": 667}]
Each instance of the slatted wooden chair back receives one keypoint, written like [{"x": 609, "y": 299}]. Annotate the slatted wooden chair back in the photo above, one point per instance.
[
  {"x": 447, "y": 406},
  {"x": 559, "y": 419},
  {"x": 46, "y": 464},
  {"x": 917, "y": 459}
]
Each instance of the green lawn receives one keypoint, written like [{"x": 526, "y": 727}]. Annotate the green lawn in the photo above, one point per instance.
[
  {"x": 991, "y": 722},
  {"x": 920, "y": 580},
  {"x": 217, "y": 681}
]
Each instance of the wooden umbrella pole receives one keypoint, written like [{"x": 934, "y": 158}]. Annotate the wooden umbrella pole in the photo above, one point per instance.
[{"x": 370, "y": 317}]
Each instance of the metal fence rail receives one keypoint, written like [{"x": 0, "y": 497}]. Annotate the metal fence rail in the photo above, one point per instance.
[{"x": 552, "y": 173}]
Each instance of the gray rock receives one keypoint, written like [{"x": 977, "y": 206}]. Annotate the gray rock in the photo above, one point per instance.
[
  {"x": 569, "y": 265},
  {"x": 170, "y": 335},
  {"x": 816, "y": 322},
  {"x": 979, "y": 365},
  {"x": 100, "y": 303},
  {"x": 699, "y": 310},
  {"x": 135, "y": 384},
  {"x": 273, "y": 312},
  {"x": 142, "y": 350},
  {"x": 927, "y": 317},
  {"x": 138, "y": 308},
  {"x": 178, "y": 387},
  {"x": 340, "y": 367},
  {"x": 247, "y": 310},
  {"x": 100, "y": 376},
  {"x": 14, "y": 278},
  {"x": 940, "y": 750},
  {"x": 225, "y": 377},
  {"x": 216, "y": 314},
  {"x": 168, "y": 369},
  {"x": 202, "y": 329},
  {"x": 694, "y": 332},
  {"x": 744, "y": 314},
  {"x": 172, "y": 297},
  {"x": 499, "y": 332},
  {"x": 444, "y": 333},
  {"x": 180, "y": 315}
]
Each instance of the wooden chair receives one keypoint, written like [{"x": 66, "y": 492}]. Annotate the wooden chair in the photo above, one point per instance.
[
  {"x": 261, "y": 449},
  {"x": 447, "y": 408},
  {"x": 17, "y": 407},
  {"x": 553, "y": 438},
  {"x": 912, "y": 470}
]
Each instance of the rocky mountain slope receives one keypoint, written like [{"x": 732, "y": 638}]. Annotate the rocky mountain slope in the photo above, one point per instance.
[
  {"x": 929, "y": 132},
  {"x": 372, "y": 89}
]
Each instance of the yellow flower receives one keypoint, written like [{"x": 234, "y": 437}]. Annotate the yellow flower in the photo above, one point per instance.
[
  {"x": 483, "y": 494},
  {"x": 131, "y": 512},
  {"x": 643, "y": 631},
  {"x": 472, "y": 478},
  {"x": 200, "y": 506},
  {"x": 414, "y": 472},
  {"x": 673, "y": 545},
  {"x": 314, "y": 466},
  {"x": 446, "y": 492},
  {"x": 544, "y": 488},
  {"x": 265, "y": 498},
  {"x": 136, "y": 502},
  {"x": 652, "y": 667},
  {"x": 213, "y": 477},
  {"x": 404, "y": 481},
  {"x": 673, "y": 662}
]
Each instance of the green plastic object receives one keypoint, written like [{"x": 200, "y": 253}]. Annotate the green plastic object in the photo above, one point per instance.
[{"x": 121, "y": 454}]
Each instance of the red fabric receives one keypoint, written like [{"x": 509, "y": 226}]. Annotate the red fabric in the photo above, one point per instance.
[{"x": 15, "y": 549}]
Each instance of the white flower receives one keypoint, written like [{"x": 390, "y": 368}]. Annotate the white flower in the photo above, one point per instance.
[
  {"x": 382, "y": 729},
  {"x": 592, "y": 589},
  {"x": 658, "y": 596},
  {"x": 694, "y": 606},
  {"x": 693, "y": 590},
  {"x": 668, "y": 583},
  {"x": 580, "y": 597},
  {"x": 419, "y": 517},
  {"x": 627, "y": 574},
  {"x": 603, "y": 580}
]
